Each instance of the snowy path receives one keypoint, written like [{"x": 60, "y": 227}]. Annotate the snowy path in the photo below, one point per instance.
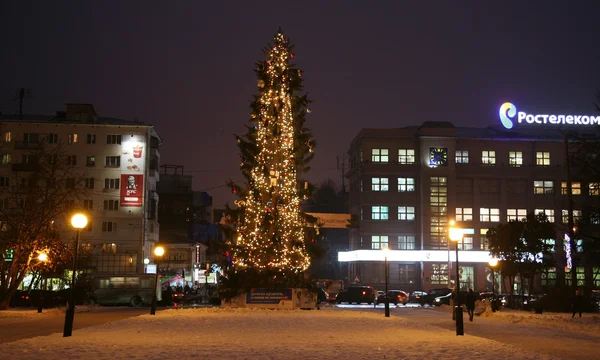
[{"x": 265, "y": 334}]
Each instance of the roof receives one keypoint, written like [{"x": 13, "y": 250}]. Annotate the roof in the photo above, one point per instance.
[{"x": 54, "y": 119}]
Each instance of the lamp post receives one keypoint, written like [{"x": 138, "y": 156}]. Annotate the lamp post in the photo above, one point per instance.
[
  {"x": 387, "y": 299},
  {"x": 492, "y": 263},
  {"x": 42, "y": 258},
  {"x": 456, "y": 234},
  {"x": 78, "y": 221},
  {"x": 159, "y": 251}
]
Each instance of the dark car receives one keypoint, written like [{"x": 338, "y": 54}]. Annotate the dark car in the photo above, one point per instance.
[
  {"x": 322, "y": 296},
  {"x": 442, "y": 300},
  {"x": 396, "y": 297},
  {"x": 357, "y": 294},
  {"x": 418, "y": 297}
]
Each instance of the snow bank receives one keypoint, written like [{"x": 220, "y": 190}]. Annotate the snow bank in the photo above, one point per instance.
[
  {"x": 19, "y": 314},
  {"x": 262, "y": 334}
]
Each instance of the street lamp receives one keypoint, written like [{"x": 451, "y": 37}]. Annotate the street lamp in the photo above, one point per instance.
[
  {"x": 78, "y": 221},
  {"x": 456, "y": 234},
  {"x": 493, "y": 263},
  {"x": 159, "y": 251},
  {"x": 42, "y": 257},
  {"x": 387, "y": 300}
]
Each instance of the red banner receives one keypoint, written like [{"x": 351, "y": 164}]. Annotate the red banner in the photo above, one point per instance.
[{"x": 132, "y": 190}]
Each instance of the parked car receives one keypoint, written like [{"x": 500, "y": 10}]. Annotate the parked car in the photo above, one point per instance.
[
  {"x": 357, "y": 294},
  {"x": 417, "y": 297},
  {"x": 442, "y": 300},
  {"x": 396, "y": 297}
]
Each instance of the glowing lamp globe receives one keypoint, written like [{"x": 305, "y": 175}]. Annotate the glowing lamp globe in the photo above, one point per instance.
[
  {"x": 42, "y": 257},
  {"x": 493, "y": 262},
  {"x": 79, "y": 221},
  {"x": 456, "y": 234},
  {"x": 159, "y": 251}
]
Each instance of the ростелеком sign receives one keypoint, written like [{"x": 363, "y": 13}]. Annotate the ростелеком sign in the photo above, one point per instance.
[{"x": 508, "y": 114}]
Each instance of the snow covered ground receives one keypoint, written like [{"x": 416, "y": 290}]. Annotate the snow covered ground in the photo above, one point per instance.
[
  {"x": 20, "y": 314},
  {"x": 217, "y": 333}
]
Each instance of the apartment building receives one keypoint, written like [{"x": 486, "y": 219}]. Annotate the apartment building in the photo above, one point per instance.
[
  {"x": 407, "y": 184},
  {"x": 120, "y": 160}
]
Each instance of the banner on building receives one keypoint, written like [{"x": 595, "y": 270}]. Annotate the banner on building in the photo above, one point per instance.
[{"x": 132, "y": 190}]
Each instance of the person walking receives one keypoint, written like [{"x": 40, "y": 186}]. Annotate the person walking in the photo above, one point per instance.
[
  {"x": 470, "y": 303},
  {"x": 577, "y": 303}
]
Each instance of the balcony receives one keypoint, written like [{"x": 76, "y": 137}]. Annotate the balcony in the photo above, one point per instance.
[
  {"x": 25, "y": 167},
  {"x": 24, "y": 145}
]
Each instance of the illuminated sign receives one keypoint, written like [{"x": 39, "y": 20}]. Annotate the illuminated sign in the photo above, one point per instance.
[
  {"x": 133, "y": 156},
  {"x": 508, "y": 112}
]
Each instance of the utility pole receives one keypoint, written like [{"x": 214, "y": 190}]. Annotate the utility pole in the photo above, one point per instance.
[{"x": 571, "y": 224}]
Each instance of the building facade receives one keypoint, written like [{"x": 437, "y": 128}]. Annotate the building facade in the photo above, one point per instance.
[
  {"x": 119, "y": 160},
  {"x": 407, "y": 184}
]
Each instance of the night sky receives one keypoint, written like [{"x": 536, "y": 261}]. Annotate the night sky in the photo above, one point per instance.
[{"x": 187, "y": 67}]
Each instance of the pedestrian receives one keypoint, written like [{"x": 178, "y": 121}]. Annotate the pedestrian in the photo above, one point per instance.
[
  {"x": 577, "y": 303},
  {"x": 186, "y": 289},
  {"x": 470, "y": 303}
]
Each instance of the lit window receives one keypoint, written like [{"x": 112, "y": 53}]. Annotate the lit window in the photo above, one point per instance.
[
  {"x": 406, "y": 213},
  {"x": 464, "y": 214},
  {"x": 542, "y": 158},
  {"x": 439, "y": 274},
  {"x": 406, "y": 184},
  {"x": 489, "y": 214},
  {"x": 483, "y": 242},
  {"x": 406, "y": 242},
  {"x": 73, "y": 138},
  {"x": 379, "y": 184},
  {"x": 515, "y": 158},
  {"x": 380, "y": 155},
  {"x": 466, "y": 243},
  {"x": 575, "y": 188},
  {"x": 543, "y": 187},
  {"x": 379, "y": 213},
  {"x": 576, "y": 216},
  {"x": 488, "y": 157},
  {"x": 548, "y": 212},
  {"x": 550, "y": 244},
  {"x": 406, "y": 156},
  {"x": 379, "y": 242},
  {"x": 90, "y": 161},
  {"x": 8, "y": 136},
  {"x": 516, "y": 214},
  {"x": 462, "y": 156},
  {"x": 594, "y": 188},
  {"x": 6, "y": 159}
]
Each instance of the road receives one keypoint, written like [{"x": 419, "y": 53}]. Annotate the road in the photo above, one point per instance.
[
  {"x": 556, "y": 343},
  {"x": 32, "y": 327}
]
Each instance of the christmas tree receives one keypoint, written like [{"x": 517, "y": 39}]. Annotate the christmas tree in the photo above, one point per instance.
[{"x": 270, "y": 247}]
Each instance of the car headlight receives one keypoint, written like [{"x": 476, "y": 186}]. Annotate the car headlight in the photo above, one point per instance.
[{"x": 437, "y": 300}]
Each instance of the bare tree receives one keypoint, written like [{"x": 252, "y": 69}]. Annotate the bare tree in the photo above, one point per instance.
[{"x": 34, "y": 209}]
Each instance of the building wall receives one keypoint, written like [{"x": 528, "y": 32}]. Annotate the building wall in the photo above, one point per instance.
[{"x": 136, "y": 227}]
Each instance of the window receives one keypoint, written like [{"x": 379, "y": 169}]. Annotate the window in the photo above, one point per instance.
[
  {"x": 439, "y": 274},
  {"x": 576, "y": 216},
  {"x": 52, "y": 138},
  {"x": 406, "y": 156},
  {"x": 407, "y": 273},
  {"x": 361, "y": 185},
  {"x": 111, "y": 205},
  {"x": 542, "y": 158},
  {"x": 71, "y": 160},
  {"x": 109, "y": 226},
  {"x": 113, "y": 161},
  {"x": 379, "y": 155},
  {"x": 111, "y": 183},
  {"x": 594, "y": 188},
  {"x": 4, "y": 182},
  {"x": 91, "y": 138},
  {"x": 88, "y": 204},
  {"x": 406, "y": 184},
  {"x": 7, "y": 136},
  {"x": 466, "y": 243},
  {"x": 489, "y": 215},
  {"x": 379, "y": 242},
  {"x": 31, "y": 138},
  {"x": 516, "y": 214},
  {"x": 549, "y": 277},
  {"x": 488, "y": 157},
  {"x": 462, "y": 156},
  {"x": 548, "y": 212},
  {"x": 89, "y": 183},
  {"x": 30, "y": 159},
  {"x": 111, "y": 248},
  {"x": 379, "y": 184},
  {"x": 406, "y": 242},
  {"x": 379, "y": 213},
  {"x": 6, "y": 159},
  {"x": 464, "y": 214},
  {"x": 113, "y": 139},
  {"x": 550, "y": 244},
  {"x": 483, "y": 241},
  {"x": 580, "y": 277},
  {"x": 595, "y": 218},
  {"x": 543, "y": 187},
  {"x": 90, "y": 161},
  {"x": 73, "y": 138},
  {"x": 406, "y": 213},
  {"x": 575, "y": 188},
  {"x": 515, "y": 158}
]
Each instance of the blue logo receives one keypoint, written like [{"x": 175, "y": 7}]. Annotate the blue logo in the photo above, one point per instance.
[{"x": 507, "y": 111}]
